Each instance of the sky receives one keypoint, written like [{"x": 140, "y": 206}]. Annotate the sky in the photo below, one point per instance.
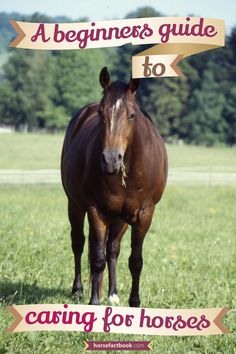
[{"x": 117, "y": 9}]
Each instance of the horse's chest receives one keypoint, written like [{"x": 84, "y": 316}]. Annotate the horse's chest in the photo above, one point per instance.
[{"x": 126, "y": 207}]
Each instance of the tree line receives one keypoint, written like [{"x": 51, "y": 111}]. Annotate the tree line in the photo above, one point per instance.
[{"x": 42, "y": 89}]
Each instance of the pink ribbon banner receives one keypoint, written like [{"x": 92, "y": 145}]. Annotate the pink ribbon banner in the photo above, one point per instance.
[
  {"x": 126, "y": 320},
  {"x": 174, "y": 38}
]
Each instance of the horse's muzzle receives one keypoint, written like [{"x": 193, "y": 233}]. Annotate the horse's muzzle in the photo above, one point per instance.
[{"x": 111, "y": 160}]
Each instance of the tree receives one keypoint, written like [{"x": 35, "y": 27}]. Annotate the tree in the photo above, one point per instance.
[
  {"x": 44, "y": 88},
  {"x": 77, "y": 78},
  {"x": 204, "y": 123},
  {"x": 28, "y": 88},
  {"x": 229, "y": 114}
]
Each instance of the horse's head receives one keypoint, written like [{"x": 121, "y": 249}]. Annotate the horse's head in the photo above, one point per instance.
[{"x": 117, "y": 110}]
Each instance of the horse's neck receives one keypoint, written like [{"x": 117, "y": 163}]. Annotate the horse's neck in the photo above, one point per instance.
[{"x": 141, "y": 138}]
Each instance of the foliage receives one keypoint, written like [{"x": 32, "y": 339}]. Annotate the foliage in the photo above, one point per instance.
[
  {"x": 29, "y": 88},
  {"x": 205, "y": 124},
  {"x": 43, "y": 89},
  {"x": 74, "y": 78}
]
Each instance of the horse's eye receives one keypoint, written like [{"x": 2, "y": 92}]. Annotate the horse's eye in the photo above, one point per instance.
[{"x": 132, "y": 115}]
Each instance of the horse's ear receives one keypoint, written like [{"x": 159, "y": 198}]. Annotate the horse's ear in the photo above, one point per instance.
[
  {"x": 133, "y": 84},
  {"x": 104, "y": 78}
]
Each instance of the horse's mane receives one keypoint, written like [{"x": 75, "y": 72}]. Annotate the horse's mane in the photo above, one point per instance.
[{"x": 145, "y": 114}]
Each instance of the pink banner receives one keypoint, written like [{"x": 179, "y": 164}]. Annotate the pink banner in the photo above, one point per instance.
[
  {"x": 87, "y": 318},
  {"x": 117, "y": 345},
  {"x": 178, "y": 37}
]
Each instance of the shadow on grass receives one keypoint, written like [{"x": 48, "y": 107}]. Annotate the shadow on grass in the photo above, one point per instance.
[{"x": 21, "y": 293}]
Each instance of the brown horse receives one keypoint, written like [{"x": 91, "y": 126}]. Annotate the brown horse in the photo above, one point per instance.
[{"x": 114, "y": 168}]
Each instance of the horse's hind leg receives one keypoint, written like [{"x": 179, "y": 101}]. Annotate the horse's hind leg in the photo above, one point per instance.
[
  {"x": 76, "y": 217},
  {"x": 116, "y": 230}
]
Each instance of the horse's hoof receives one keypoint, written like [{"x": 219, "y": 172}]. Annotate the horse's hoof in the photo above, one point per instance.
[
  {"x": 94, "y": 302},
  {"x": 114, "y": 299},
  {"x": 78, "y": 294},
  {"x": 134, "y": 302}
]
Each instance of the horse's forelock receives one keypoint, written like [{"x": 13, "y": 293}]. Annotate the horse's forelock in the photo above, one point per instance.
[{"x": 115, "y": 92}]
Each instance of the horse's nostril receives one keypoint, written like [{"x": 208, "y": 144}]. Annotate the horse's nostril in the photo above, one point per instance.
[{"x": 119, "y": 157}]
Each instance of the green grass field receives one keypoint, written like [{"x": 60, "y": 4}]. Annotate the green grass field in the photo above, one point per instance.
[
  {"x": 42, "y": 151},
  {"x": 30, "y": 151},
  {"x": 189, "y": 258},
  {"x": 189, "y": 252}
]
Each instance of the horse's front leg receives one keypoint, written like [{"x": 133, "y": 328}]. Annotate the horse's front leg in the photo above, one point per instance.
[
  {"x": 97, "y": 239},
  {"x": 76, "y": 217},
  {"x": 139, "y": 230},
  {"x": 116, "y": 230}
]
